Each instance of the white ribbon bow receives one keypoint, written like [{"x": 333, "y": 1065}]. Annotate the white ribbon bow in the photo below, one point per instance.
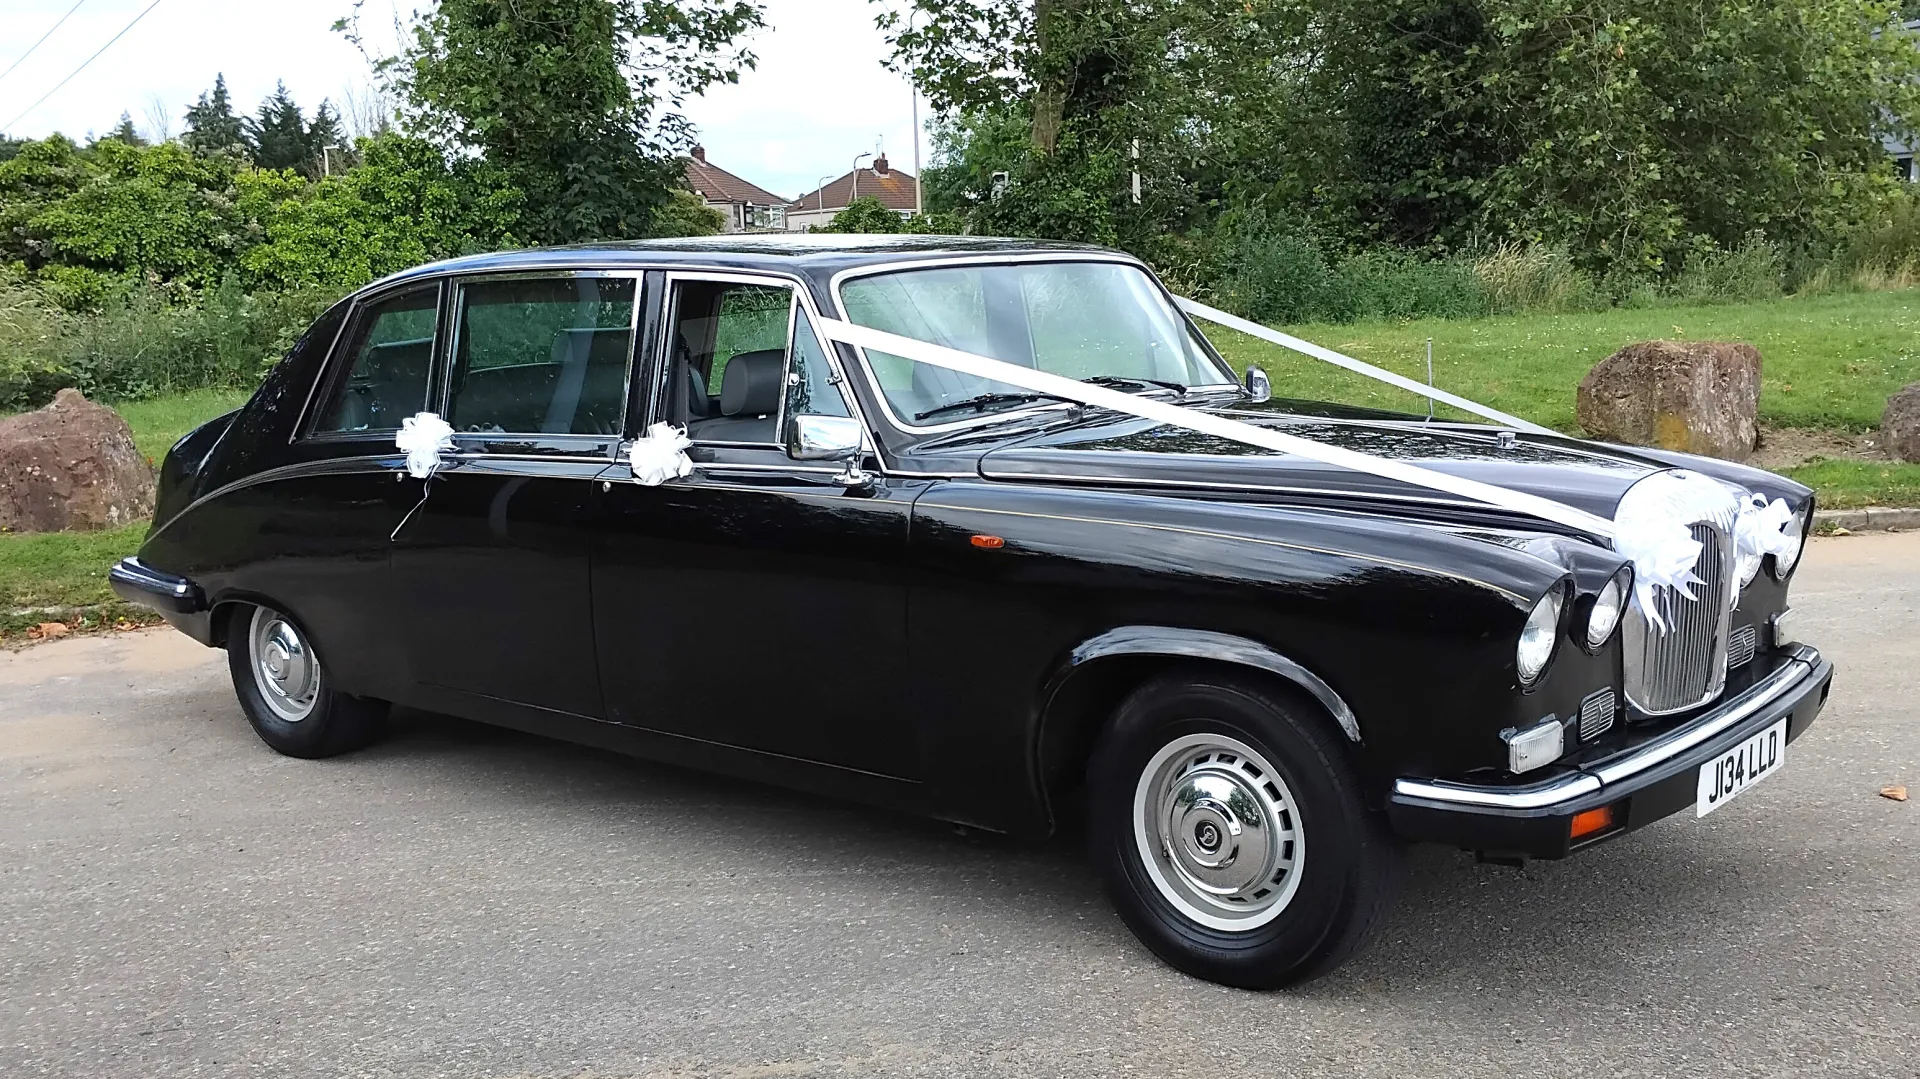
[
  {"x": 661, "y": 456},
  {"x": 1761, "y": 529},
  {"x": 423, "y": 438}
]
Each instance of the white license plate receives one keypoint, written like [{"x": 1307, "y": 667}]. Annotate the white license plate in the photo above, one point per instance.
[{"x": 1741, "y": 767}]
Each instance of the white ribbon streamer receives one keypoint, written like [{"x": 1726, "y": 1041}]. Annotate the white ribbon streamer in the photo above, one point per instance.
[
  {"x": 423, "y": 438},
  {"x": 1338, "y": 359},
  {"x": 1654, "y": 535},
  {"x": 1207, "y": 423},
  {"x": 661, "y": 456}
]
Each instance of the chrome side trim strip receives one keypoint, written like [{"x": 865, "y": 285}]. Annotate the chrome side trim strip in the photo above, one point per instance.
[
  {"x": 1567, "y": 788},
  {"x": 1224, "y": 647}
]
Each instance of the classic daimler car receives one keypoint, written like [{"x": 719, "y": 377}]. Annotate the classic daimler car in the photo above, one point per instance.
[{"x": 1249, "y": 675}]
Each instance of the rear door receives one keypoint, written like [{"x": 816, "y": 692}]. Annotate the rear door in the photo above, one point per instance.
[{"x": 491, "y": 568}]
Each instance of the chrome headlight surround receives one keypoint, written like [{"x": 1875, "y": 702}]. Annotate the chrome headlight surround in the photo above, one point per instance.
[
  {"x": 1608, "y": 610},
  {"x": 1782, "y": 568},
  {"x": 1540, "y": 636}
]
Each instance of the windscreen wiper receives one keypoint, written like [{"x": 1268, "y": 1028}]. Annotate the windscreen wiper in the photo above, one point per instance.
[
  {"x": 983, "y": 401},
  {"x": 1128, "y": 380}
]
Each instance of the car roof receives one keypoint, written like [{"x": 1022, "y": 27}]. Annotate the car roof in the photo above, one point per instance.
[{"x": 813, "y": 255}]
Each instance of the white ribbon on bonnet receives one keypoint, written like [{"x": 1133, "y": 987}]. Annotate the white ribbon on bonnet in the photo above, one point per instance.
[{"x": 1654, "y": 539}]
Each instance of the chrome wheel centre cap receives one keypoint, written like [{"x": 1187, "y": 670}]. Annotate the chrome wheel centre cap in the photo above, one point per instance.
[
  {"x": 1219, "y": 832},
  {"x": 1219, "y": 837},
  {"x": 284, "y": 669}
]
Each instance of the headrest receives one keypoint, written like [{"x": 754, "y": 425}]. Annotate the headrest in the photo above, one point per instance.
[{"x": 751, "y": 385}]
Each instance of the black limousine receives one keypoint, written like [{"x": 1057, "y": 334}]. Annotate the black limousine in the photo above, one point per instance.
[{"x": 1254, "y": 675}]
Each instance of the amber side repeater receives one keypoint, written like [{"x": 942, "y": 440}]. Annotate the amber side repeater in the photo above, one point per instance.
[{"x": 989, "y": 543}]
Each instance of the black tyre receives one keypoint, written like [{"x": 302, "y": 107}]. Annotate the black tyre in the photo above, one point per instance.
[
  {"x": 1231, "y": 829},
  {"x": 284, "y": 690}
]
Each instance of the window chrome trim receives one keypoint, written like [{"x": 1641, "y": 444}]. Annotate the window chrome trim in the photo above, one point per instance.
[
  {"x": 373, "y": 294},
  {"x": 839, "y": 279},
  {"x": 803, "y": 300},
  {"x": 456, "y": 290}
]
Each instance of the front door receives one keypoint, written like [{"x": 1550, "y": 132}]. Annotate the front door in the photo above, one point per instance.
[
  {"x": 756, "y": 603},
  {"x": 492, "y": 566}
]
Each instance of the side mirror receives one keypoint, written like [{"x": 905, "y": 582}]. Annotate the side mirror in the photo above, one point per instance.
[
  {"x": 823, "y": 438},
  {"x": 1257, "y": 385},
  {"x": 831, "y": 438}
]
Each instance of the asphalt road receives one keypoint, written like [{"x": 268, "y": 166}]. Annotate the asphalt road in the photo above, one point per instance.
[{"x": 177, "y": 900}]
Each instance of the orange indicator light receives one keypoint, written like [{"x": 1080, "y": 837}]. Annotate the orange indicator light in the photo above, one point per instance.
[
  {"x": 1591, "y": 821},
  {"x": 989, "y": 543}
]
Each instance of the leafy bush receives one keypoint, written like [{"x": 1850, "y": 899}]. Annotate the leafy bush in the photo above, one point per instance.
[
  {"x": 1278, "y": 273},
  {"x": 865, "y": 214},
  {"x": 1519, "y": 278},
  {"x": 1887, "y": 253},
  {"x": 1753, "y": 271}
]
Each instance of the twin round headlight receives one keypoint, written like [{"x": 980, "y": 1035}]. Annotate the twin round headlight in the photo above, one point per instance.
[{"x": 1542, "y": 631}]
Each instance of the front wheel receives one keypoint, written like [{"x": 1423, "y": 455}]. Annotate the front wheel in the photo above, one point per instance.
[
  {"x": 1231, "y": 829},
  {"x": 285, "y": 692}
]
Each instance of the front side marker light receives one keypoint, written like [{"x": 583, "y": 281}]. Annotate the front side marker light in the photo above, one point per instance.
[
  {"x": 1536, "y": 746},
  {"x": 1588, "y": 822}
]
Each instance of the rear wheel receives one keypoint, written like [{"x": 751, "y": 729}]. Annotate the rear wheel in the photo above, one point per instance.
[
  {"x": 1233, "y": 834},
  {"x": 285, "y": 692}
]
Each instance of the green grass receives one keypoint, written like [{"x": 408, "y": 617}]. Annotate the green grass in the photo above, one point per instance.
[
  {"x": 159, "y": 423},
  {"x": 1829, "y": 361},
  {"x": 1852, "y": 484}
]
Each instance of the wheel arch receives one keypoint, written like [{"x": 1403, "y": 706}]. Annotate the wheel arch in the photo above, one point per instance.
[{"x": 1103, "y": 669}]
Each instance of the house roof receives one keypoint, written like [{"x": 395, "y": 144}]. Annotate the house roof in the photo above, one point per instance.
[
  {"x": 715, "y": 184},
  {"x": 891, "y": 186}
]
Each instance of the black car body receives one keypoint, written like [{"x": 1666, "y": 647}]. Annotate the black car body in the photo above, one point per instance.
[{"x": 948, "y": 621}]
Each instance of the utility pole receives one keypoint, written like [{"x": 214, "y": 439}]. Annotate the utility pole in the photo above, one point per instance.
[{"x": 326, "y": 163}]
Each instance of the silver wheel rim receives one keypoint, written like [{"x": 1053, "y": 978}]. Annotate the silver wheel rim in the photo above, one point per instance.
[
  {"x": 1219, "y": 832},
  {"x": 283, "y": 666}
]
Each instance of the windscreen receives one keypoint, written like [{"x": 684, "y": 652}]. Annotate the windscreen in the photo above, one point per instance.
[{"x": 1086, "y": 320}]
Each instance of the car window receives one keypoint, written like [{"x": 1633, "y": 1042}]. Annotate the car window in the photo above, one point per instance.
[
  {"x": 391, "y": 346},
  {"x": 542, "y": 356},
  {"x": 736, "y": 362}
]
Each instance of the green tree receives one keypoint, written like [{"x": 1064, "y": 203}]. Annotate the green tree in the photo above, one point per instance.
[
  {"x": 276, "y": 134},
  {"x": 212, "y": 127},
  {"x": 575, "y": 101},
  {"x": 403, "y": 205},
  {"x": 866, "y": 214},
  {"x": 687, "y": 214},
  {"x": 124, "y": 131}
]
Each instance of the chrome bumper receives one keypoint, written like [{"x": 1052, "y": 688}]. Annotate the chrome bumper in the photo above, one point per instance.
[
  {"x": 1783, "y": 684},
  {"x": 137, "y": 582}
]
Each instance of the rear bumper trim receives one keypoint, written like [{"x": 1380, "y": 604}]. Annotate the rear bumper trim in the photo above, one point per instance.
[{"x": 137, "y": 582}]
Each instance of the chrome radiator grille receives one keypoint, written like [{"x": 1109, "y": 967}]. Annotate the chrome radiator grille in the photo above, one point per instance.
[{"x": 1686, "y": 665}]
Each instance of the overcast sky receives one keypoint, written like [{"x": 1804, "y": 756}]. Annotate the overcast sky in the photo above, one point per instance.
[{"x": 819, "y": 96}]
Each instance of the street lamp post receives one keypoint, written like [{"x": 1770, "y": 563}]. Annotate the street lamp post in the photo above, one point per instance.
[
  {"x": 326, "y": 164},
  {"x": 856, "y": 179}
]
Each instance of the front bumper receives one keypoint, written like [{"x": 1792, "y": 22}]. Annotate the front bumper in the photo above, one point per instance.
[{"x": 1642, "y": 785}]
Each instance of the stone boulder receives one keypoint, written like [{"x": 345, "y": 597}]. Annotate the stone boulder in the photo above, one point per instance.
[
  {"x": 1900, "y": 424},
  {"x": 1696, "y": 396},
  {"x": 71, "y": 465}
]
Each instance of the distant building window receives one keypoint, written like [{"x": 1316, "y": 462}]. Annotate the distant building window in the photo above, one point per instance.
[{"x": 1904, "y": 165}]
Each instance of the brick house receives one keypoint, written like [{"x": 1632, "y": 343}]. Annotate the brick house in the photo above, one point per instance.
[
  {"x": 894, "y": 188},
  {"x": 748, "y": 208}
]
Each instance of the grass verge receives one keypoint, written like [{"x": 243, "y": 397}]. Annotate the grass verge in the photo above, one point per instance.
[
  {"x": 1846, "y": 485},
  {"x": 1830, "y": 361}
]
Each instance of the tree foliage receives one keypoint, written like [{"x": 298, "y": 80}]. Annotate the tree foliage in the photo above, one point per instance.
[
  {"x": 1633, "y": 133},
  {"x": 212, "y": 127},
  {"x": 574, "y": 101}
]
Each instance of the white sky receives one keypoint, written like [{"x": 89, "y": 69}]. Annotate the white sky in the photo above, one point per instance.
[{"x": 819, "y": 96}]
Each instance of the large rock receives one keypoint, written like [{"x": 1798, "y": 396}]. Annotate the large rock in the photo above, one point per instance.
[
  {"x": 71, "y": 465},
  {"x": 1696, "y": 396},
  {"x": 1900, "y": 424}
]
